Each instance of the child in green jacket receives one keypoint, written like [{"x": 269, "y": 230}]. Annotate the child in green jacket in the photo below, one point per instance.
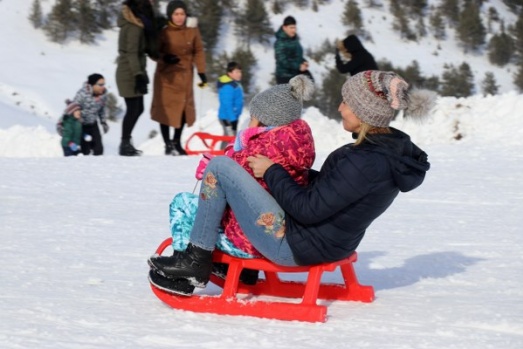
[{"x": 71, "y": 130}]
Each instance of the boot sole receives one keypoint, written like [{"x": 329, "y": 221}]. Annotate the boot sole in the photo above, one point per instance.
[{"x": 186, "y": 291}]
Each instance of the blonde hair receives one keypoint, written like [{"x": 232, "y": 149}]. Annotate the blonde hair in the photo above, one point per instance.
[{"x": 366, "y": 129}]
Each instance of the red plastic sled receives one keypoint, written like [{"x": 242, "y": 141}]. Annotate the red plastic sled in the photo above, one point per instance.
[
  {"x": 307, "y": 310},
  {"x": 211, "y": 143}
]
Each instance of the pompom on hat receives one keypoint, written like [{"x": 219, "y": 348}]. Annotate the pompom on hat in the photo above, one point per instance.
[
  {"x": 374, "y": 97},
  {"x": 282, "y": 104}
]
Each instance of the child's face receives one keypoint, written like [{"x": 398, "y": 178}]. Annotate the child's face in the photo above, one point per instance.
[
  {"x": 236, "y": 74},
  {"x": 178, "y": 17}
]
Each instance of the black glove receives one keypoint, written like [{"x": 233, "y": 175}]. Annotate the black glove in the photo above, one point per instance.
[
  {"x": 171, "y": 59},
  {"x": 105, "y": 127},
  {"x": 203, "y": 78},
  {"x": 140, "y": 84}
]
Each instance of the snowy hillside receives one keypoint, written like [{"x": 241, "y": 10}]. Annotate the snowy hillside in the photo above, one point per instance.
[{"x": 445, "y": 260}]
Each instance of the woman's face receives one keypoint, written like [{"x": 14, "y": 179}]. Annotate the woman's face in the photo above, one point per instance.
[
  {"x": 351, "y": 122},
  {"x": 178, "y": 17}
]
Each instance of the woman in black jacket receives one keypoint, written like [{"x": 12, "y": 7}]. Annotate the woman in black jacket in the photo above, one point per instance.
[
  {"x": 352, "y": 58},
  {"x": 326, "y": 220}
]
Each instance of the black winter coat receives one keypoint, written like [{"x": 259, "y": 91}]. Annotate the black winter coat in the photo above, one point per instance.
[
  {"x": 326, "y": 220},
  {"x": 352, "y": 58}
]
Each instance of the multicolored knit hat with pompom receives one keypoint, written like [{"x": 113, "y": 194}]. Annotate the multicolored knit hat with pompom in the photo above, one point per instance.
[{"x": 374, "y": 97}]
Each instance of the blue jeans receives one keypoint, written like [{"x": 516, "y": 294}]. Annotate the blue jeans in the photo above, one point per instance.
[{"x": 261, "y": 218}]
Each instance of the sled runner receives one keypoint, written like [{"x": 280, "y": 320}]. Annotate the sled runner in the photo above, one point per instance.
[
  {"x": 209, "y": 143},
  {"x": 309, "y": 291}
]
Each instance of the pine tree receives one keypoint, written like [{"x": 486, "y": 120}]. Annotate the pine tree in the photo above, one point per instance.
[
  {"x": 87, "y": 25},
  {"x": 421, "y": 30},
  {"x": 457, "y": 82},
  {"x": 517, "y": 32},
  {"x": 248, "y": 62},
  {"x": 437, "y": 25},
  {"x": 488, "y": 85},
  {"x": 417, "y": 7},
  {"x": 209, "y": 12},
  {"x": 328, "y": 97},
  {"x": 501, "y": 49},
  {"x": 61, "y": 22},
  {"x": 450, "y": 9},
  {"x": 493, "y": 16},
  {"x": 515, "y": 5},
  {"x": 278, "y": 6},
  {"x": 36, "y": 16},
  {"x": 471, "y": 31},
  {"x": 518, "y": 77},
  {"x": 401, "y": 24},
  {"x": 107, "y": 10},
  {"x": 301, "y": 3},
  {"x": 253, "y": 23},
  {"x": 351, "y": 17}
]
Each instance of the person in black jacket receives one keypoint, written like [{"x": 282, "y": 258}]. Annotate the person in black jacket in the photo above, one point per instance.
[
  {"x": 352, "y": 58},
  {"x": 326, "y": 220}
]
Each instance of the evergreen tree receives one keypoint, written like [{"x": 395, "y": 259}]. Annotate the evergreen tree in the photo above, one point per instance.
[
  {"x": 515, "y": 5},
  {"x": 248, "y": 62},
  {"x": 493, "y": 16},
  {"x": 351, "y": 17},
  {"x": 421, "y": 30},
  {"x": 501, "y": 49},
  {"x": 86, "y": 25},
  {"x": 517, "y": 32},
  {"x": 61, "y": 22},
  {"x": 209, "y": 12},
  {"x": 457, "y": 82},
  {"x": 450, "y": 9},
  {"x": 488, "y": 85},
  {"x": 416, "y": 7},
  {"x": 437, "y": 25},
  {"x": 301, "y": 3},
  {"x": 328, "y": 97},
  {"x": 36, "y": 16},
  {"x": 518, "y": 77},
  {"x": 253, "y": 23},
  {"x": 471, "y": 31},
  {"x": 278, "y": 7},
  {"x": 401, "y": 24},
  {"x": 107, "y": 10}
]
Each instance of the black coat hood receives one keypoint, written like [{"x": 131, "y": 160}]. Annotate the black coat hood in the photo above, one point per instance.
[{"x": 408, "y": 162}]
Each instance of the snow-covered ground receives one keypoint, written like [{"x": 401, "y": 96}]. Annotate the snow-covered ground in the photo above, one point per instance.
[{"x": 445, "y": 260}]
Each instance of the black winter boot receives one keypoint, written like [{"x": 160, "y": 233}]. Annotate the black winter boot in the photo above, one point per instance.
[
  {"x": 178, "y": 149},
  {"x": 169, "y": 147},
  {"x": 195, "y": 265},
  {"x": 178, "y": 286},
  {"x": 127, "y": 148}
]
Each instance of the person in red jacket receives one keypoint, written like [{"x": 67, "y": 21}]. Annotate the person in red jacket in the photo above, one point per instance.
[{"x": 275, "y": 130}]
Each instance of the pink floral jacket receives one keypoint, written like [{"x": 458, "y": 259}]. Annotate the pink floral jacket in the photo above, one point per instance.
[{"x": 291, "y": 146}]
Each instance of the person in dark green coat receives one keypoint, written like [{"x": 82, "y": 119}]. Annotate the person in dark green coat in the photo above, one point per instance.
[
  {"x": 289, "y": 53},
  {"x": 136, "y": 39}
]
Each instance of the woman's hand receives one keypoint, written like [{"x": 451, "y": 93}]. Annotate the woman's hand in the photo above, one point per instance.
[{"x": 259, "y": 164}]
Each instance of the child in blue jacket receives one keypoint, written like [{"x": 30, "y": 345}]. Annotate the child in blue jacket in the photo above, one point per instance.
[{"x": 230, "y": 94}]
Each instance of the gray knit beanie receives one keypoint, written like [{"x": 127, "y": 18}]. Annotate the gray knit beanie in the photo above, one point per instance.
[{"x": 282, "y": 104}]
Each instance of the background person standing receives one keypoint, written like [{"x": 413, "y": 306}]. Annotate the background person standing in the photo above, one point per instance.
[{"x": 181, "y": 50}]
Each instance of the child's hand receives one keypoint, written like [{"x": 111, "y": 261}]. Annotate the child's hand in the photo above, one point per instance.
[{"x": 203, "y": 165}]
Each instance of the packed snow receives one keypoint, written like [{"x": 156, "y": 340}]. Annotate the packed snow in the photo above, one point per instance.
[{"x": 445, "y": 260}]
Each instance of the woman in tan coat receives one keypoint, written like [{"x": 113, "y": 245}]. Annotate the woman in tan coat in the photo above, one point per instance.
[{"x": 181, "y": 49}]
